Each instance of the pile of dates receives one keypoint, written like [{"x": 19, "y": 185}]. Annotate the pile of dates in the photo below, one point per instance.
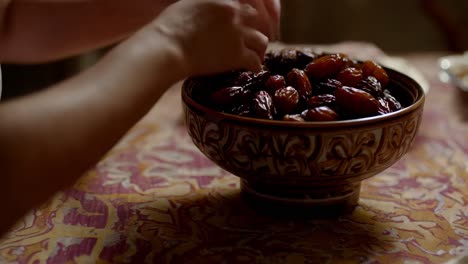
[{"x": 301, "y": 85}]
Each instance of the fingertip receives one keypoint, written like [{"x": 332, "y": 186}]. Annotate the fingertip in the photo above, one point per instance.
[
  {"x": 253, "y": 61},
  {"x": 239, "y": 11},
  {"x": 256, "y": 68},
  {"x": 248, "y": 10}
]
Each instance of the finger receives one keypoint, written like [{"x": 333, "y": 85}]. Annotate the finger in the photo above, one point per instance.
[
  {"x": 267, "y": 17},
  {"x": 273, "y": 8},
  {"x": 251, "y": 16},
  {"x": 251, "y": 61},
  {"x": 246, "y": 12},
  {"x": 255, "y": 41}
]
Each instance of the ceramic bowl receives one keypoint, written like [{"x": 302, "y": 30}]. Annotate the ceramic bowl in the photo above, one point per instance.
[{"x": 310, "y": 166}]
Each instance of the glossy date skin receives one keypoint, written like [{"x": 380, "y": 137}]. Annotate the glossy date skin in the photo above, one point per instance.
[
  {"x": 302, "y": 86},
  {"x": 286, "y": 100}
]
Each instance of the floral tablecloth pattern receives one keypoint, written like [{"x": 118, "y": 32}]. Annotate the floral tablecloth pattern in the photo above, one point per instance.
[{"x": 156, "y": 199}]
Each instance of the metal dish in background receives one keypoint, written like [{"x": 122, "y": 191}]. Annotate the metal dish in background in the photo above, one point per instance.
[{"x": 454, "y": 69}]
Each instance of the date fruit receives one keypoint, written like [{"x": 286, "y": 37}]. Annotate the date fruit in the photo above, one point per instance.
[
  {"x": 327, "y": 87},
  {"x": 286, "y": 100},
  {"x": 370, "y": 68},
  {"x": 350, "y": 76},
  {"x": 321, "y": 100},
  {"x": 229, "y": 96},
  {"x": 357, "y": 102},
  {"x": 371, "y": 85},
  {"x": 283, "y": 61},
  {"x": 393, "y": 103},
  {"x": 326, "y": 66},
  {"x": 274, "y": 83},
  {"x": 299, "y": 80},
  {"x": 321, "y": 113},
  {"x": 263, "y": 105}
]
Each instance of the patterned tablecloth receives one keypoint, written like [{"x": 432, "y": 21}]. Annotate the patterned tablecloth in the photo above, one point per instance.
[{"x": 155, "y": 198}]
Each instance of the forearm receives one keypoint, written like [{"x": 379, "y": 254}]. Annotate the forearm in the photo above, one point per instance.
[
  {"x": 48, "y": 140},
  {"x": 43, "y": 30}
]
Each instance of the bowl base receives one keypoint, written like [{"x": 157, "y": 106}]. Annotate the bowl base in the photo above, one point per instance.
[{"x": 321, "y": 202}]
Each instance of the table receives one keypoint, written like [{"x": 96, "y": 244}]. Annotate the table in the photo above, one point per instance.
[{"x": 155, "y": 198}]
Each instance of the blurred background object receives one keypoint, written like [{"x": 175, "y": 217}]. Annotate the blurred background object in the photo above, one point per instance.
[
  {"x": 20, "y": 80},
  {"x": 398, "y": 26}
]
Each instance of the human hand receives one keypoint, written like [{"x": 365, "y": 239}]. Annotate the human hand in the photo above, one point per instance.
[
  {"x": 212, "y": 36},
  {"x": 268, "y": 19}
]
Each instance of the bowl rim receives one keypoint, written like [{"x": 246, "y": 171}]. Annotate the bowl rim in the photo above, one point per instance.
[{"x": 214, "y": 114}]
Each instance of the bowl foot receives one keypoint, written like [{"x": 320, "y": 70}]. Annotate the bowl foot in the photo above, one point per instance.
[{"x": 316, "y": 202}]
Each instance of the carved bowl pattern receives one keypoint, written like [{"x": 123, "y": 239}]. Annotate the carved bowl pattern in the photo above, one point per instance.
[{"x": 318, "y": 165}]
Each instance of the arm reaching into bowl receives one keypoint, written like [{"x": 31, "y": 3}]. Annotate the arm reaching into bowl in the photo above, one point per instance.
[
  {"x": 50, "y": 138},
  {"x": 34, "y": 31}
]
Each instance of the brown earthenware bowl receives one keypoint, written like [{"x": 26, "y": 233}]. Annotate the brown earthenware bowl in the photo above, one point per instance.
[{"x": 317, "y": 166}]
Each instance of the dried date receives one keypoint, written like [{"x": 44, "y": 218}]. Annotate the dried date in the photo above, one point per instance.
[
  {"x": 350, "y": 76},
  {"x": 326, "y": 66},
  {"x": 244, "y": 79},
  {"x": 286, "y": 100},
  {"x": 242, "y": 110},
  {"x": 299, "y": 80},
  {"x": 370, "y": 68},
  {"x": 371, "y": 85},
  {"x": 263, "y": 106},
  {"x": 321, "y": 113},
  {"x": 356, "y": 102},
  {"x": 327, "y": 87},
  {"x": 321, "y": 100},
  {"x": 304, "y": 57},
  {"x": 274, "y": 83},
  {"x": 258, "y": 80},
  {"x": 383, "y": 106},
  {"x": 230, "y": 96},
  {"x": 283, "y": 61},
  {"x": 393, "y": 103}
]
